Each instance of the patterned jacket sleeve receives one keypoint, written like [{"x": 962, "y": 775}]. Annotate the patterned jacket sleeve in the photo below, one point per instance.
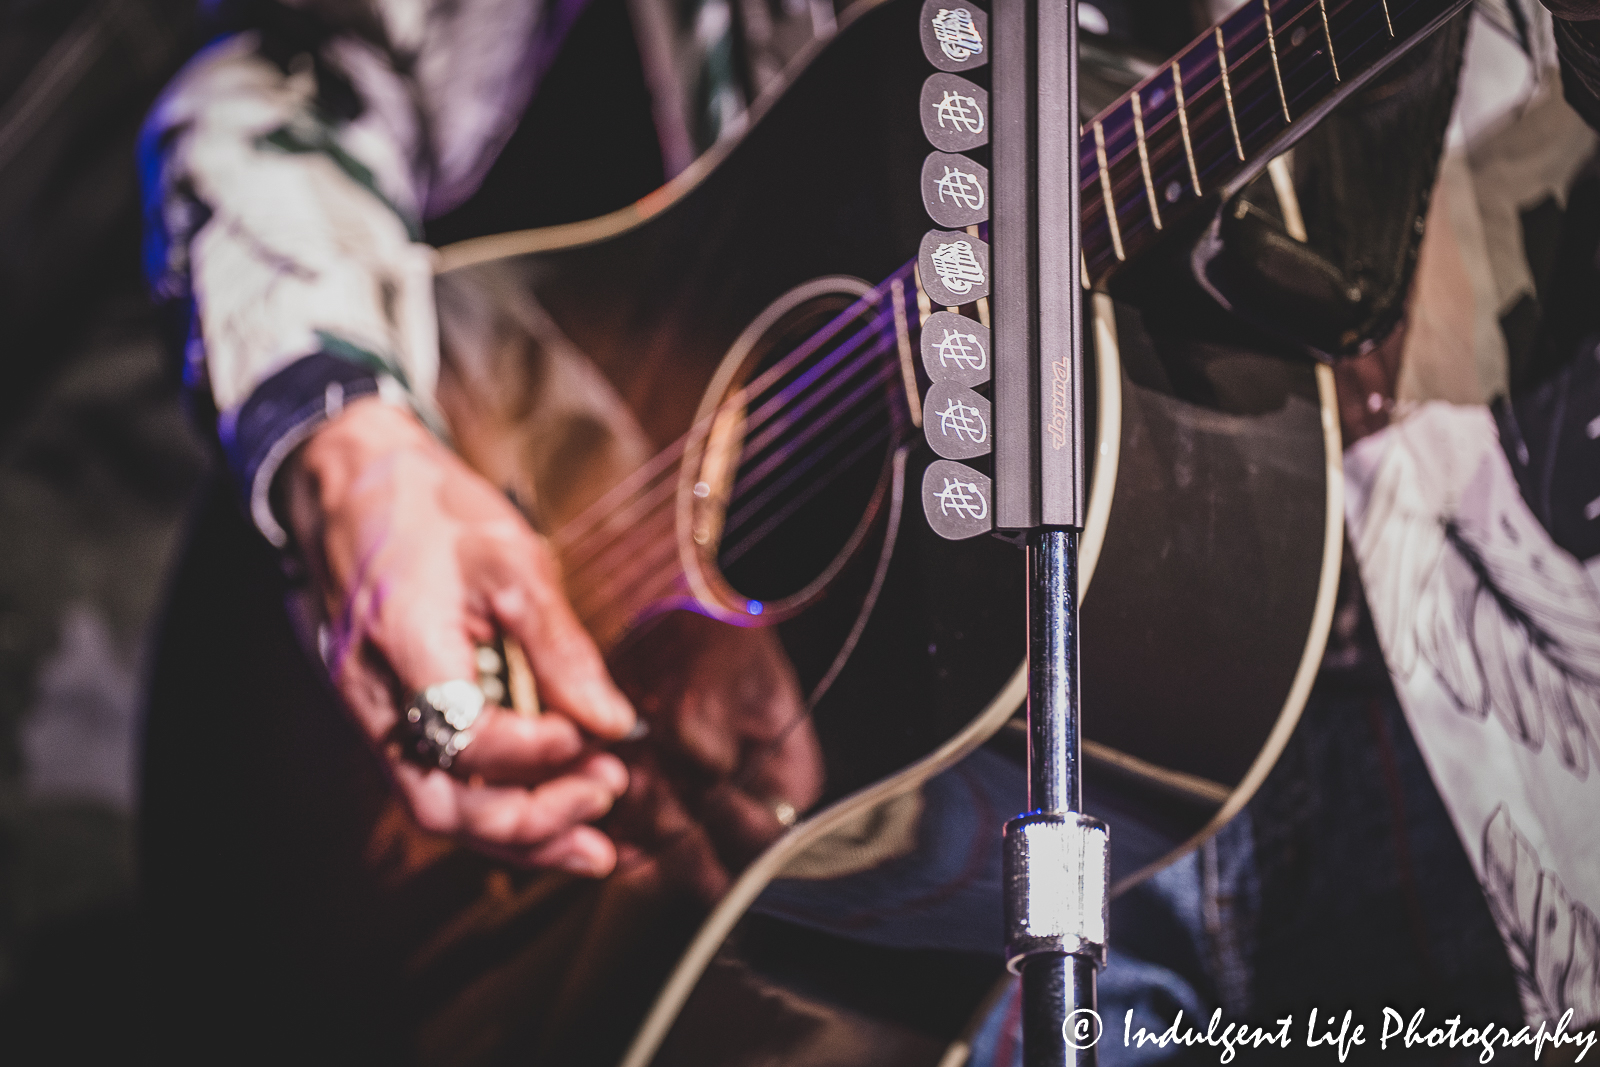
[{"x": 285, "y": 197}]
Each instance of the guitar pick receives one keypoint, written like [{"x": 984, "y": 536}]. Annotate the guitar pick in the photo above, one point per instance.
[
  {"x": 955, "y": 349},
  {"x": 955, "y": 498},
  {"x": 955, "y": 113},
  {"x": 954, "y": 268},
  {"x": 955, "y": 36},
  {"x": 955, "y": 190},
  {"x": 956, "y": 421}
]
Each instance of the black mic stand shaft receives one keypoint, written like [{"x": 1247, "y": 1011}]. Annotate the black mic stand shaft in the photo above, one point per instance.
[{"x": 1055, "y": 857}]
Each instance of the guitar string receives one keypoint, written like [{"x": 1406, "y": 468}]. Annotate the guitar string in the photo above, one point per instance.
[
  {"x": 664, "y": 493},
  {"x": 641, "y": 583},
  {"x": 611, "y": 517},
  {"x": 758, "y": 494},
  {"x": 664, "y": 489},
  {"x": 625, "y": 584},
  {"x": 780, "y": 404},
  {"x": 876, "y": 326},
  {"x": 598, "y": 514},
  {"x": 1305, "y": 58},
  {"x": 609, "y": 504},
  {"x": 602, "y": 512},
  {"x": 782, "y": 414},
  {"x": 794, "y": 503},
  {"x": 647, "y": 567},
  {"x": 764, "y": 460},
  {"x": 675, "y": 841}
]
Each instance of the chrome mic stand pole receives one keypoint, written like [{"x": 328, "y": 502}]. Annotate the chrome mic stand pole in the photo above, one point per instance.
[{"x": 1055, "y": 856}]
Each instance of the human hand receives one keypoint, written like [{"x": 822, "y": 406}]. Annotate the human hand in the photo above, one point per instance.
[
  {"x": 732, "y": 758},
  {"x": 418, "y": 559}
]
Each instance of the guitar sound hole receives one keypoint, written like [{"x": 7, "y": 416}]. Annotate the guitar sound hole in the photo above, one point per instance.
[{"x": 814, "y": 448}]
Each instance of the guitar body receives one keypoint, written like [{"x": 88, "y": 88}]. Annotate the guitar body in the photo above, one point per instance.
[
  {"x": 704, "y": 401},
  {"x": 594, "y": 371}
]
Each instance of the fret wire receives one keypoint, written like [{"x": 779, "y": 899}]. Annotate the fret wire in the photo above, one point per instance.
[
  {"x": 1272, "y": 45},
  {"x": 1144, "y": 160},
  {"x": 1236, "y": 130},
  {"x": 1328, "y": 33},
  {"x": 1183, "y": 124},
  {"x": 1227, "y": 80},
  {"x": 1227, "y": 93},
  {"x": 1105, "y": 191},
  {"x": 1106, "y": 184}
]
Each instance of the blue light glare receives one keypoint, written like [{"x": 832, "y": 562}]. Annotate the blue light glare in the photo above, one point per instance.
[{"x": 754, "y": 607}]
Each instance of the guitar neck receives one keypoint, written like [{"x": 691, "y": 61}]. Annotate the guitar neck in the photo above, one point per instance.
[{"x": 1211, "y": 118}]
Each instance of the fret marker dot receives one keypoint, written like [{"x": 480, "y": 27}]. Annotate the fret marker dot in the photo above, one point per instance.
[
  {"x": 1174, "y": 190},
  {"x": 1298, "y": 37}
]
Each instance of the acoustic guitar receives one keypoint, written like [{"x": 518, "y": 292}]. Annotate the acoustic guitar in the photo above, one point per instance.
[{"x": 709, "y": 402}]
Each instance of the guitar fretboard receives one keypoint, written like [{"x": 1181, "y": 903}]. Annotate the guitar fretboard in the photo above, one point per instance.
[{"x": 1211, "y": 114}]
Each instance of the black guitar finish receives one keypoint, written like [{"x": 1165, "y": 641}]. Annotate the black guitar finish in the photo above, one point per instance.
[
  {"x": 861, "y": 647},
  {"x": 1197, "y": 618}
]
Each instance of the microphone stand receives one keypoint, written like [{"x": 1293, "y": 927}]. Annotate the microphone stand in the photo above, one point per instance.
[
  {"x": 1056, "y": 872},
  {"x": 1055, "y": 856}
]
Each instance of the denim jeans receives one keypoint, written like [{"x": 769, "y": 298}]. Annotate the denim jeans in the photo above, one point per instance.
[{"x": 1341, "y": 886}]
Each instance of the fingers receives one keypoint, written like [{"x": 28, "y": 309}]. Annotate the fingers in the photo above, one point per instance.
[
  {"x": 665, "y": 840},
  {"x": 522, "y": 789},
  {"x": 508, "y": 749},
  {"x": 582, "y": 850},
  {"x": 428, "y": 560},
  {"x": 528, "y": 817},
  {"x": 572, "y": 677},
  {"x": 539, "y": 827}
]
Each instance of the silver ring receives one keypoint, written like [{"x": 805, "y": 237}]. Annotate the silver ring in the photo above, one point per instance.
[{"x": 439, "y": 720}]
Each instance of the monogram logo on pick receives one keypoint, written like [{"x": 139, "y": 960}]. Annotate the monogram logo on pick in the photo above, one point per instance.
[
  {"x": 963, "y": 422},
  {"x": 957, "y": 267},
  {"x": 958, "y": 37},
  {"x": 959, "y": 349},
  {"x": 959, "y": 112},
  {"x": 960, "y": 188},
  {"x": 963, "y": 499}
]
